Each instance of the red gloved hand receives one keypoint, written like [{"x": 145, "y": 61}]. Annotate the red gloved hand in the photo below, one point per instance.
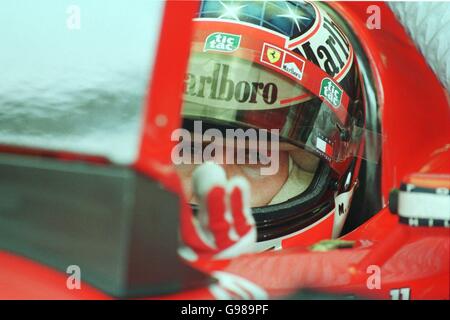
[{"x": 223, "y": 226}]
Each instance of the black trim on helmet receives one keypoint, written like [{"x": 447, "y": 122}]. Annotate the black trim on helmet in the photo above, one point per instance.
[{"x": 297, "y": 213}]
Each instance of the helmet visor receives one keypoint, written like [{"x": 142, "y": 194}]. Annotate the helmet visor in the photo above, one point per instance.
[{"x": 236, "y": 90}]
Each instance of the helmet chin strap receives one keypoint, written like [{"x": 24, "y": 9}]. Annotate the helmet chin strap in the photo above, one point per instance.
[{"x": 296, "y": 183}]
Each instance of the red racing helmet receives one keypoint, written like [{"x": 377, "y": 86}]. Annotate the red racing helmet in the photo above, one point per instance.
[{"x": 284, "y": 66}]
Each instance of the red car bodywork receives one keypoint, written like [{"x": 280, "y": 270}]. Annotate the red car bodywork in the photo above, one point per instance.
[{"x": 415, "y": 124}]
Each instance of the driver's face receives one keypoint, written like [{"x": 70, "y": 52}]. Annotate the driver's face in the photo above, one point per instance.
[{"x": 263, "y": 187}]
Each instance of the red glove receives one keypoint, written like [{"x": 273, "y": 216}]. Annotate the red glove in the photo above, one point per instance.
[{"x": 224, "y": 226}]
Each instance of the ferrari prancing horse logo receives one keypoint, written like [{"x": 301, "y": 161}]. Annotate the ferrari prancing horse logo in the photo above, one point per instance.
[{"x": 273, "y": 55}]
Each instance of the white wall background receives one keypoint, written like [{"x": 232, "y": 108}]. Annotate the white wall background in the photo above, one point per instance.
[{"x": 428, "y": 23}]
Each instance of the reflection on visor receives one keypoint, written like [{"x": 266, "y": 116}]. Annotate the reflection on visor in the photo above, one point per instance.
[
  {"x": 232, "y": 83},
  {"x": 228, "y": 89}
]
